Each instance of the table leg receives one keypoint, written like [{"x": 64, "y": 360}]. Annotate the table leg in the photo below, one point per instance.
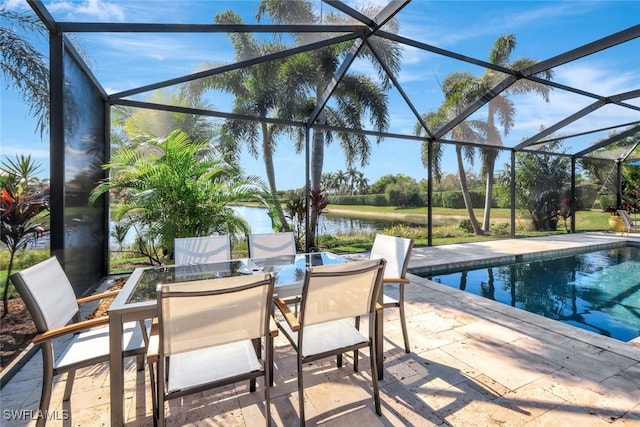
[
  {"x": 116, "y": 370},
  {"x": 380, "y": 336}
]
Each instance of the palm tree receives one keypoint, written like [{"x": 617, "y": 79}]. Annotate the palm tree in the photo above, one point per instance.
[
  {"x": 361, "y": 183},
  {"x": 353, "y": 175},
  {"x": 255, "y": 91},
  {"x": 330, "y": 181},
  {"x": 342, "y": 180},
  {"x": 460, "y": 90},
  {"x": 501, "y": 109},
  {"x": 356, "y": 97},
  {"x": 23, "y": 66},
  {"x": 129, "y": 122},
  {"x": 456, "y": 88},
  {"x": 177, "y": 187}
]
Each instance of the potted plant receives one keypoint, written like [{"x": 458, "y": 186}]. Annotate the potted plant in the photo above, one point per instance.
[{"x": 615, "y": 221}]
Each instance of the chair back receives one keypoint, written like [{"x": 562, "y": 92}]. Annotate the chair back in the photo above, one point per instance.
[
  {"x": 271, "y": 245},
  {"x": 207, "y": 313},
  {"x": 340, "y": 291},
  {"x": 396, "y": 251},
  {"x": 47, "y": 293},
  {"x": 628, "y": 224},
  {"x": 201, "y": 250}
]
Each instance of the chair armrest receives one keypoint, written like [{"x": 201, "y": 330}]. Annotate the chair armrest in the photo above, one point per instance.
[
  {"x": 273, "y": 327},
  {"x": 102, "y": 295},
  {"x": 153, "y": 348},
  {"x": 74, "y": 327},
  {"x": 401, "y": 280},
  {"x": 291, "y": 319}
]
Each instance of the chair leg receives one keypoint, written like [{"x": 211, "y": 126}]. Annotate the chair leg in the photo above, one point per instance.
[
  {"x": 140, "y": 362},
  {"x": 374, "y": 378},
  {"x": 71, "y": 376},
  {"x": 355, "y": 352},
  {"x": 154, "y": 393},
  {"x": 162, "y": 371},
  {"x": 270, "y": 350},
  {"x": 161, "y": 414},
  {"x": 300, "y": 392},
  {"x": 257, "y": 345},
  {"x": 268, "y": 379},
  {"x": 403, "y": 320},
  {"x": 47, "y": 381}
]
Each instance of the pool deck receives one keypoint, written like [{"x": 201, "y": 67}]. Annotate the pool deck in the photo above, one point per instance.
[{"x": 474, "y": 362}]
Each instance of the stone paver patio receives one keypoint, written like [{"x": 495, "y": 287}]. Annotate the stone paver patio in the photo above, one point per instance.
[{"x": 475, "y": 362}]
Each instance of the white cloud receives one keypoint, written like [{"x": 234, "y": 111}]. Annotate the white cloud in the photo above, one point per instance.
[
  {"x": 93, "y": 9},
  {"x": 533, "y": 112},
  {"x": 15, "y": 5},
  {"x": 592, "y": 77}
]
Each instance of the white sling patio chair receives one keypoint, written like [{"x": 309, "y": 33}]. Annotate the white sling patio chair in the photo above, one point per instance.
[
  {"x": 201, "y": 250},
  {"x": 630, "y": 224},
  {"x": 209, "y": 334},
  {"x": 50, "y": 299},
  {"x": 271, "y": 244},
  {"x": 397, "y": 252},
  {"x": 332, "y": 296}
]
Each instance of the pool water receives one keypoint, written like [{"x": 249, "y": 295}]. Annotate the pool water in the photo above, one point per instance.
[{"x": 597, "y": 291}]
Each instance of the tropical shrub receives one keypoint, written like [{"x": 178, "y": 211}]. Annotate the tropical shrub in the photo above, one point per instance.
[
  {"x": 359, "y": 199},
  {"x": 22, "y": 208},
  {"x": 465, "y": 225},
  {"x": 175, "y": 187},
  {"x": 296, "y": 211}
]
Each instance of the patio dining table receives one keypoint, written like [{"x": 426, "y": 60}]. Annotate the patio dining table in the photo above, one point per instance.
[{"x": 137, "y": 301}]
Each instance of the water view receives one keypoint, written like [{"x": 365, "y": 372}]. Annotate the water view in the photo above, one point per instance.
[
  {"x": 259, "y": 221},
  {"x": 598, "y": 291}
]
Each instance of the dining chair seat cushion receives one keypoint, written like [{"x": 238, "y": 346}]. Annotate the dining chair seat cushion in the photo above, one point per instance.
[
  {"x": 388, "y": 301},
  {"x": 194, "y": 368},
  {"x": 325, "y": 337},
  {"x": 93, "y": 345}
]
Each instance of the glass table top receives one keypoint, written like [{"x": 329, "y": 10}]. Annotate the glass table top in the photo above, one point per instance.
[
  {"x": 287, "y": 270},
  {"x": 145, "y": 288}
]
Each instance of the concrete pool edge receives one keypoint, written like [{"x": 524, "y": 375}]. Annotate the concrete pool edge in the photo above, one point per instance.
[
  {"x": 432, "y": 260},
  {"x": 436, "y": 260},
  {"x": 530, "y": 320}
]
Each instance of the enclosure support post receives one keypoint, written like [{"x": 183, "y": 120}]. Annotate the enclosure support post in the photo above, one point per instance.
[
  {"x": 429, "y": 193},
  {"x": 106, "y": 201},
  {"x": 57, "y": 145},
  {"x": 618, "y": 183},
  {"x": 307, "y": 189},
  {"x": 512, "y": 185},
  {"x": 572, "y": 202}
]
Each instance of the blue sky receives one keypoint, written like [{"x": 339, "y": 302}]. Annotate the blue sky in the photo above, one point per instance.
[{"x": 543, "y": 30}]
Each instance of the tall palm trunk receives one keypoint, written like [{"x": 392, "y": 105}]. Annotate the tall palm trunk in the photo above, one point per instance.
[
  {"x": 489, "y": 166},
  {"x": 465, "y": 193},
  {"x": 267, "y": 154},
  {"x": 317, "y": 161},
  {"x": 491, "y": 162}
]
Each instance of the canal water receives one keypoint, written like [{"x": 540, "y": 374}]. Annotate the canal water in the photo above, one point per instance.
[{"x": 259, "y": 221}]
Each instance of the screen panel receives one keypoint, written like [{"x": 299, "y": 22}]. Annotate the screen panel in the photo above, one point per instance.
[{"x": 85, "y": 151}]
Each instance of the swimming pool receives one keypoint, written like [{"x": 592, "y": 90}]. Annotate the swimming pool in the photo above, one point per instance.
[{"x": 598, "y": 291}]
